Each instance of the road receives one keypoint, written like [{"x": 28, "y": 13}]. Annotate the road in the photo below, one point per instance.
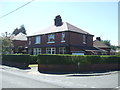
[{"x": 31, "y": 78}]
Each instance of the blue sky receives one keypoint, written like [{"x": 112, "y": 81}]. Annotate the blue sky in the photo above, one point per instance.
[{"x": 97, "y": 18}]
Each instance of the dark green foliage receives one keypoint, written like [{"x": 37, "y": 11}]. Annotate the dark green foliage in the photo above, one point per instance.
[
  {"x": 21, "y": 30},
  {"x": 33, "y": 59},
  {"x": 20, "y": 58},
  {"x": 16, "y": 58},
  {"x": 75, "y": 59},
  {"x": 118, "y": 53},
  {"x": 20, "y": 49}
]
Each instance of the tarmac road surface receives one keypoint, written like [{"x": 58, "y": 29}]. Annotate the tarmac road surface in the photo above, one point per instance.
[{"x": 31, "y": 78}]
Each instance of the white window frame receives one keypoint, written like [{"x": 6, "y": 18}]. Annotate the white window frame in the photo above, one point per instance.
[
  {"x": 51, "y": 36},
  {"x": 84, "y": 39},
  {"x": 51, "y": 50},
  {"x": 37, "y": 40},
  {"x": 63, "y": 37},
  {"x": 37, "y": 51},
  {"x": 62, "y": 50}
]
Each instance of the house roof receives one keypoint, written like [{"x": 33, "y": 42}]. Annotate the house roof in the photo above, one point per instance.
[
  {"x": 99, "y": 44},
  {"x": 19, "y": 36},
  {"x": 64, "y": 27}
]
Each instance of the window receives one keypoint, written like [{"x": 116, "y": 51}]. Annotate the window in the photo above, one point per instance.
[
  {"x": 37, "y": 51},
  {"x": 63, "y": 37},
  {"x": 51, "y": 38},
  {"x": 50, "y": 51},
  {"x": 29, "y": 40},
  {"x": 84, "y": 39},
  {"x": 37, "y": 40},
  {"x": 62, "y": 50}
]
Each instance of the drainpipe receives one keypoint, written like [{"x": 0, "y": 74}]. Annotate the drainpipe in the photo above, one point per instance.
[{"x": 69, "y": 41}]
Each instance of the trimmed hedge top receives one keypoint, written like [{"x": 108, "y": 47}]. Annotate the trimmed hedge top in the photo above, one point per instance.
[{"x": 75, "y": 59}]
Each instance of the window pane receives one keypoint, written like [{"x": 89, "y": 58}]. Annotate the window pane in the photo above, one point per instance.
[
  {"x": 62, "y": 50},
  {"x": 63, "y": 36},
  {"x": 50, "y": 51},
  {"x": 84, "y": 39},
  {"x": 29, "y": 41},
  {"x": 37, "y": 39},
  {"x": 51, "y": 38}
]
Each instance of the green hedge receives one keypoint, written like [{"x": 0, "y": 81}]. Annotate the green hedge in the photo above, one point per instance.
[
  {"x": 33, "y": 59},
  {"x": 20, "y": 58},
  {"x": 16, "y": 58},
  {"x": 74, "y": 59}
]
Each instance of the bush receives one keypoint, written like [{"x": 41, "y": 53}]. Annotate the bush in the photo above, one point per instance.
[
  {"x": 118, "y": 53},
  {"x": 33, "y": 59},
  {"x": 75, "y": 59}
]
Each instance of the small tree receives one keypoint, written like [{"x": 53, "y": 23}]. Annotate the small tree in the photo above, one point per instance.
[
  {"x": 20, "y": 49},
  {"x": 7, "y": 45},
  {"x": 107, "y": 42},
  {"x": 22, "y": 29}
]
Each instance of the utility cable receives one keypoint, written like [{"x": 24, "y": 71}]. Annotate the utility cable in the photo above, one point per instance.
[{"x": 16, "y": 9}]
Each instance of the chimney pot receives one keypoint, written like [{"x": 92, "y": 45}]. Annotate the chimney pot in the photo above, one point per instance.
[{"x": 98, "y": 38}]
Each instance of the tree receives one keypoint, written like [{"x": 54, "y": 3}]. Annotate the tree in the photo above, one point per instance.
[
  {"x": 20, "y": 49},
  {"x": 22, "y": 30},
  {"x": 7, "y": 45},
  {"x": 107, "y": 42}
]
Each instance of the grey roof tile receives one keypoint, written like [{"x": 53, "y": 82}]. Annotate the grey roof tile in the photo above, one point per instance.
[
  {"x": 100, "y": 44},
  {"x": 64, "y": 27}
]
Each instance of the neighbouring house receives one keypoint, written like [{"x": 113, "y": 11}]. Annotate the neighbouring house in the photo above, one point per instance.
[
  {"x": 19, "y": 42},
  {"x": 61, "y": 38},
  {"x": 104, "y": 49}
]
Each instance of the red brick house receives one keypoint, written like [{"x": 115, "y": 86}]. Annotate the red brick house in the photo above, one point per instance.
[
  {"x": 61, "y": 38},
  {"x": 19, "y": 43}
]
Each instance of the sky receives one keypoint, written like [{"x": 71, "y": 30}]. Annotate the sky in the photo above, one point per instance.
[{"x": 98, "y": 18}]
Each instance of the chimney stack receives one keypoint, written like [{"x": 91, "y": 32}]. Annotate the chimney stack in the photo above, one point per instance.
[
  {"x": 98, "y": 38},
  {"x": 58, "y": 21}
]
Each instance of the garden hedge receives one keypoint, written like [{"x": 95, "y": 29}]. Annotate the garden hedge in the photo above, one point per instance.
[
  {"x": 33, "y": 59},
  {"x": 74, "y": 59},
  {"x": 16, "y": 60}
]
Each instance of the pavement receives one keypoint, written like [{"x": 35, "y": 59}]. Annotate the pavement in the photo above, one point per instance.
[{"x": 35, "y": 71}]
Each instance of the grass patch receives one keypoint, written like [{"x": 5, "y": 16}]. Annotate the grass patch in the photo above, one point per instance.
[{"x": 33, "y": 65}]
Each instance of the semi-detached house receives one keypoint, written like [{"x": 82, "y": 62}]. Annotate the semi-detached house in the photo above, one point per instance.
[{"x": 61, "y": 38}]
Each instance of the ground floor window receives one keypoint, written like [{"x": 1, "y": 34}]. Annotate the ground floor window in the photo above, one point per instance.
[
  {"x": 50, "y": 50},
  {"x": 37, "y": 51},
  {"x": 62, "y": 50}
]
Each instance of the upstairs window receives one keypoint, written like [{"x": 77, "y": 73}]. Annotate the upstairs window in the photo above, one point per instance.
[
  {"x": 37, "y": 41},
  {"x": 29, "y": 41},
  {"x": 63, "y": 37},
  {"x": 51, "y": 38},
  {"x": 84, "y": 39}
]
